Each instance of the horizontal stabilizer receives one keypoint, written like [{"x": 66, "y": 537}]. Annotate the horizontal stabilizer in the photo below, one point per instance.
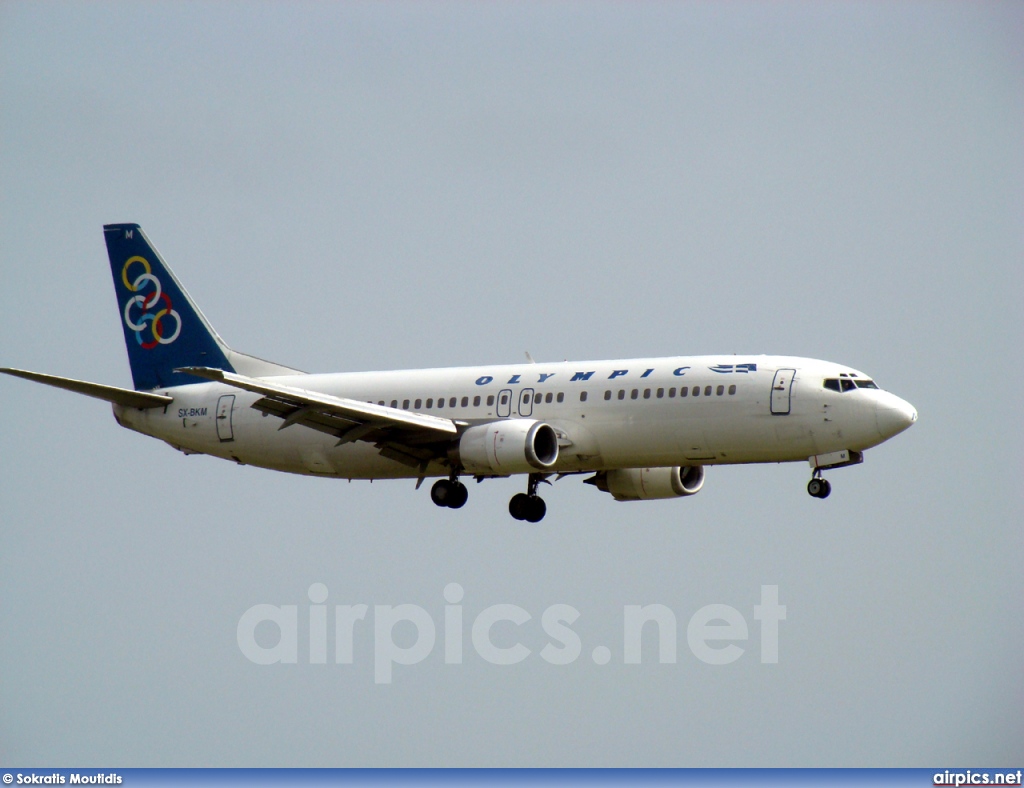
[{"x": 125, "y": 397}]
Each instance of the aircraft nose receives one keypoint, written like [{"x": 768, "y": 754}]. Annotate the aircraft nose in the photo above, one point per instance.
[{"x": 893, "y": 415}]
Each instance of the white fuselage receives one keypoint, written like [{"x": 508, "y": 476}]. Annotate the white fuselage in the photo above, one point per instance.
[{"x": 608, "y": 414}]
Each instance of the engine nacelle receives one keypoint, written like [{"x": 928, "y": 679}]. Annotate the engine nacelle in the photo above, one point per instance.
[
  {"x": 646, "y": 484},
  {"x": 506, "y": 447}
]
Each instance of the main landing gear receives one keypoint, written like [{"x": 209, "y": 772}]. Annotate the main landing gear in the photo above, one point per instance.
[
  {"x": 529, "y": 506},
  {"x": 449, "y": 492},
  {"x": 818, "y": 487}
]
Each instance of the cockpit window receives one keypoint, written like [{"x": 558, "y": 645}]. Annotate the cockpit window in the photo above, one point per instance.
[{"x": 846, "y": 383}]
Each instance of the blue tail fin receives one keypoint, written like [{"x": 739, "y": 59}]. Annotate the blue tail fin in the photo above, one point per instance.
[{"x": 163, "y": 328}]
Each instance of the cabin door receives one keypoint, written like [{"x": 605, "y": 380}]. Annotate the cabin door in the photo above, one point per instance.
[{"x": 781, "y": 392}]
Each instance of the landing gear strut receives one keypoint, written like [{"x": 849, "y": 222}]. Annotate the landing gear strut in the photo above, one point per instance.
[
  {"x": 449, "y": 492},
  {"x": 818, "y": 487},
  {"x": 529, "y": 506}
]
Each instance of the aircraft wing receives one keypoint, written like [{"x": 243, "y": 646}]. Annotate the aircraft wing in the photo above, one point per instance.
[
  {"x": 409, "y": 437},
  {"x": 125, "y": 397}
]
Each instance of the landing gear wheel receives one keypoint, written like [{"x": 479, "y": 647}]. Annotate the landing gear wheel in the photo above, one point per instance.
[
  {"x": 459, "y": 496},
  {"x": 819, "y": 488},
  {"x": 536, "y": 509},
  {"x": 527, "y": 507},
  {"x": 452, "y": 494},
  {"x": 519, "y": 506},
  {"x": 442, "y": 492}
]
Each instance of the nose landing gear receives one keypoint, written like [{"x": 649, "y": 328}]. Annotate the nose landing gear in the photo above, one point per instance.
[
  {"x": 817, "y": 487},
  {"x": 529, "y": 506},
  {"x": 449, "y": 492}
]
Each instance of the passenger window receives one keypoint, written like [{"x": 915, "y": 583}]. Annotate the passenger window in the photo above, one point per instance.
[
  {"x": 405, "y": 404},
  {"x": 696, "y": 391},
  {"x": 707, "y": 391},
  {"x": 583, "y": 396},
  {"x": 547, "y": 398},
  {"x": 732, "y": 389},
  {"x": 418, "y": 404},
  {"x": 526, "y": 399},
  {"x": 608, "y": 394},
  {"x": 647, "y": 393},
  {"x": 634, "y": 394},
  {"x": 560, "y": 396},
  {"x": 451, "y": 402},
  {"x": 720, "y": 391},
  {"x": 504, "y": 399},
  {"x": 394, "y": 403},
  {"x": 476, "y": 401},
  {"x": 465, "y": 402},
  {"x": 440, "y": 402},
  {"x": 622, "y": 393},
  {"x": 683, "y": 391},
  {"x": 490, "y": 400},
  {"x": 381, "y": 402},
  {"x": 430, "y": 402},
  {"x": 661, "y": 393},
  {"x": 672, "y": 393}
]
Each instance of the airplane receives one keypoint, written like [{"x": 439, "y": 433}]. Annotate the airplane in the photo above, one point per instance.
[{"x": 644, "y": 428}]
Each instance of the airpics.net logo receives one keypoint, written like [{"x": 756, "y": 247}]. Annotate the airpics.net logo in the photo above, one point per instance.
[{"x": 715, "y": 634}]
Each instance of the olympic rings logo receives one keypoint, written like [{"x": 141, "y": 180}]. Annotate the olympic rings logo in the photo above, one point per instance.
[{"x": 154, "y": 306}]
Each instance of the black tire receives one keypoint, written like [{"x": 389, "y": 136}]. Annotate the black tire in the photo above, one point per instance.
[
  {"x": 442, "y": 491},
  {"x": 815, "y": 486},
  {"x": 458, "y": 497},
  {"x": 826, "y": 488},
  {"x": 519, "y": 506},
  {"x": 536, "y": 509}
]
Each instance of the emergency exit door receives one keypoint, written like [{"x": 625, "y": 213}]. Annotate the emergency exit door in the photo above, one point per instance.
[{"x": 526, "y": 402}]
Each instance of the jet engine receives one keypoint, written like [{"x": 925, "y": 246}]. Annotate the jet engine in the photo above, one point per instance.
[
  {"x": 645, "y": 484},
  {"x": 507, "y": 447}
]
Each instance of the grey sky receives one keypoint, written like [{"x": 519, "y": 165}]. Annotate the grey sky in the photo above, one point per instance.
[{"x": 361, "y": 186}]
